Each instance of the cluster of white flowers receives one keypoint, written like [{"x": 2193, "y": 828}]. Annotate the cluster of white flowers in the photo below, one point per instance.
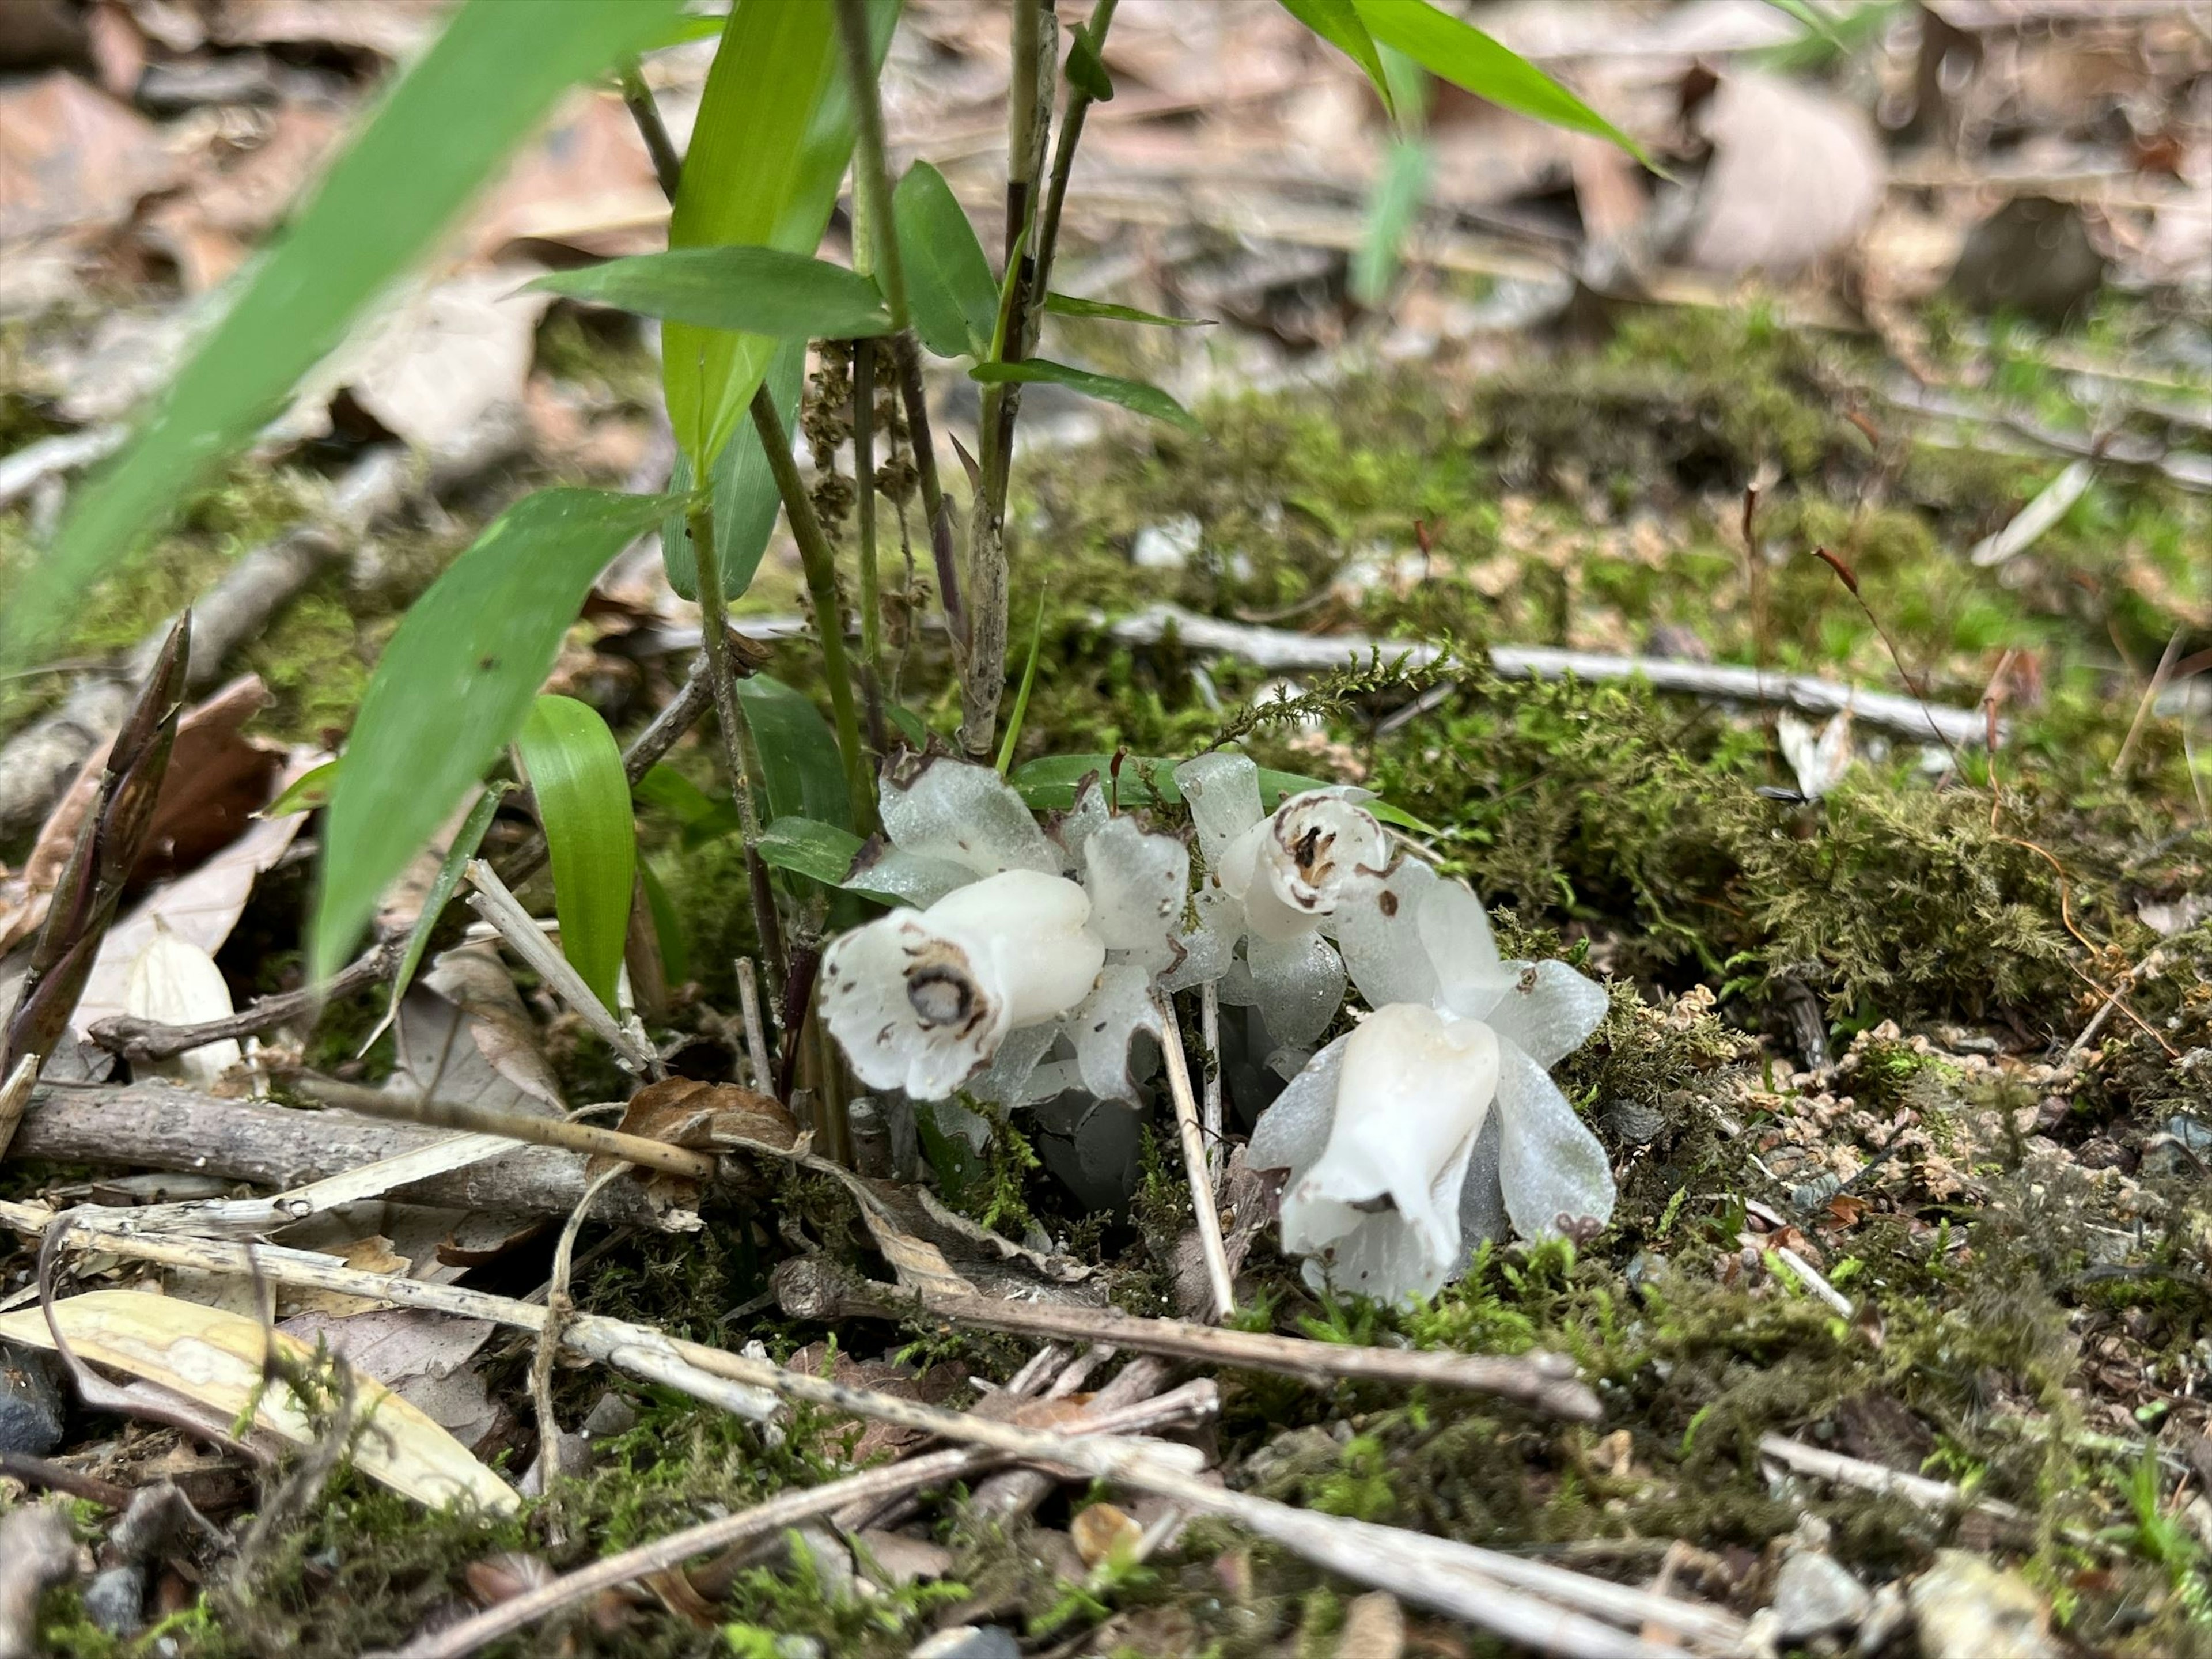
[{"x": 1031, "y": 959}]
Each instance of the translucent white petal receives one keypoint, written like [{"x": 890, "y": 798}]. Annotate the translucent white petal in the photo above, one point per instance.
[
  {"x": 1222, "y": 790},
  {"x": 1294, "y": 1131},
  {"x": 1481, "y": 1204},
  {"x": 1106, "y": 1024},
  {"x": 1080, "y": 822},
  {"x": 1378, "y": 931},
  {"x": 1384, "y": 1256},
  {"x": 1298, "y": 984},
  {"x": 1008, "y": 1078},
  {"x": 1455, "y": 929},
  {"x": 1550, "y": 1011},
  {"x": 968, "y": 814},
  {"x": 1210, "y": 948},
  {"x": 1411, "y": 1098},
  {"x": 918, "y": 878},
  {"x": 909, "y": 1007},
  {"x": 1137, "y": 882},
  {"x": 1549, "y": 1164}
]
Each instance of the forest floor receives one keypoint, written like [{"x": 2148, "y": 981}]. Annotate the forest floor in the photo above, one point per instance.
[{"x": 1907, "y": 1079}]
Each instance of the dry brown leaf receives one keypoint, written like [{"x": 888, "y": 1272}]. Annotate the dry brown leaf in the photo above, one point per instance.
[
  {"x": 216, "y": 780},
  {"x": 1100, "y": 1529},
  {"x": 371, "y": 1255},
  {"x": 71, "y": 158},
  {"x": 235, "y": 196},
  {"x": 424, "y": 1358},
  {"x": 217, "y": 1359},
  {"x": 587, "y": 184},
  {"x": 393, "y": 29},
  {"x": 1796, "y": 175},
  {"x": 502, "y": 1036}
]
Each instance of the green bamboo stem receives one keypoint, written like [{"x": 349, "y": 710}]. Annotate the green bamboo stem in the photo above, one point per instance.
[{"x": 820, "y": 564}]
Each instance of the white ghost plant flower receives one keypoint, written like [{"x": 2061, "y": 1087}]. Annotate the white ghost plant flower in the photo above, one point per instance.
[
  {"x": 1436, "y": 1121},
  {"x": 1275, "y": 881},
  {"x": 1009, "y": 955}
]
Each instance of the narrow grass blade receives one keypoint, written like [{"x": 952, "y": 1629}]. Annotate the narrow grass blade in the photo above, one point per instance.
[
  {"x": 1022, "y": 696},
  {"x": 454, "y": 687},
  {"x": 442, "y": 887},
  {"x": 575, "y": 768},
  {"x": 484, "y": 84}
]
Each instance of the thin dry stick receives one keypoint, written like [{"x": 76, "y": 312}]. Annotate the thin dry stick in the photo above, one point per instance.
[
  {"x": 1194, "y": 1163},
  {"x": 749, "y": 1005},
  {"x": 496, "y": 905},
  {"x": 1209, "y": 1030},
  {"x": 558, "y": 1307},
  {"x": 1461, "y": 1580},
  {"x": 1876, "y": 1477},
  {"x": 2158, "y": 679},
  {"x": 473, "y": 1119},
  {"x": 1546, "y": 1381}
]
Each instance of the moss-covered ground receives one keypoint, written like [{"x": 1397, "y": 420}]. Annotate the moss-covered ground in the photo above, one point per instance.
[{"x": 2020, "y": 1223}]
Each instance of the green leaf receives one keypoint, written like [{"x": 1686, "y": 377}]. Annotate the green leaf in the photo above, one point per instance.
[
  {"x": 668, "y": 926},
  {"x": 1022, "y": 698},
  {"x": 1068, "y": 304},
  {"x": 455, "y": 686},
  {"x": 1112, "y": 388},
  {"x": 758, "y": 290},
  {"x": 443, "y": 886},
  {"x": 1391, "y": 210},
  {"x": 1086, "y": 70},
  {"x": 1467, "y": 57},
  {"x": 911, "y": 725},
  {"x": 801, "y": 771},
  {"x": 1337, "y": 22},
  {"x": 310, "y": 790},
  {"x": 806, "y": 847},
  {"x": 1050, "y": 782},
  {"x": 485, "y": 82},
  {"x": 575, "y": 768},
  {"x": 746, "y": 497},
  {"x": 700, "y": 816},
  {"x": 948, "y": 278},
  {"x": 768, "y": 152},
  {"x": 820, "y": 852}
]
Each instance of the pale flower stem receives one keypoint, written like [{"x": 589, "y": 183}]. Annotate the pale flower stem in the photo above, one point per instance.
[
  {"x": 1209, "y": 1030},
  {"x": 749, "y": 1003},
  {"x": 1194, "y": 1157}
]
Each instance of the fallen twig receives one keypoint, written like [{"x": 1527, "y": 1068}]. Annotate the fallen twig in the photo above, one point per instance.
[
  {"x": 1876, "y": 1478},
  {"x": 1194, "y": 1164},
  {"x": 16, "y": 1096},
  {"x": 1545, "y": 1380},
  {"x": 155, "y": 1125},
  {"x": 1279, "y": 650},
  {"x": 472, "y": 1119},
  {"x": 496, "y": 905}
]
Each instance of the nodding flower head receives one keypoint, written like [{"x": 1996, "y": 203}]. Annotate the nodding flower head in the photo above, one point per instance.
[
  {"x": 920, "y": 1000},
  {"x": 1275, "y": 882},
  {"x": 1436, "y": 1120}
]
